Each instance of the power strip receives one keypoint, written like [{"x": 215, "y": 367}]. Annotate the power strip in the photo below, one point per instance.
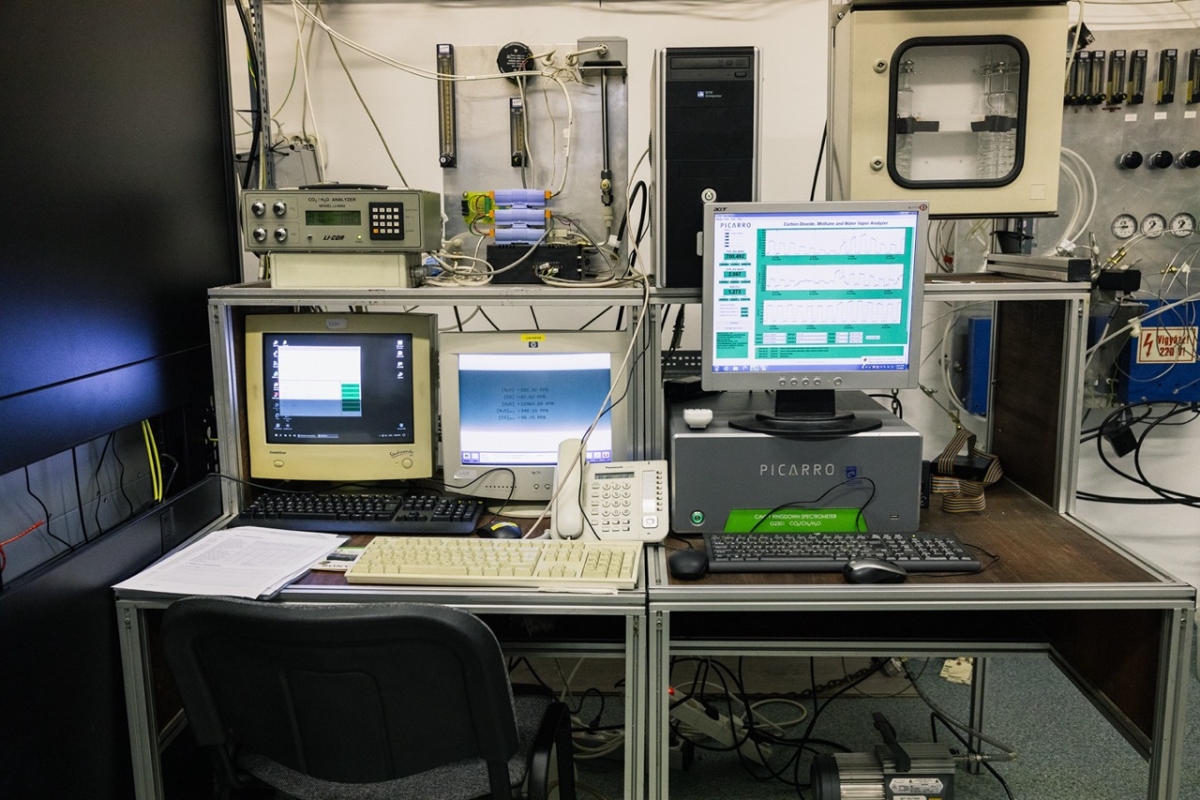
[
  {"x": 604, "y": 744},
  {"x": 731, "y": 732}
]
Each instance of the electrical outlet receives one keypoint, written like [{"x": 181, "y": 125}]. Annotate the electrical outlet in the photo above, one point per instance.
[
  {"x": 958, "y": 670},
  {"x": 680, "y": 753}
]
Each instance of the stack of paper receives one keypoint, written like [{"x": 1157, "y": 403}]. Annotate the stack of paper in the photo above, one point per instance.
[{"x": 236, "y": 562}]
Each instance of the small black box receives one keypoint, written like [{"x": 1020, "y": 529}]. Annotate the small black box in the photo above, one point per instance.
[{"x": 566, "y": 261}]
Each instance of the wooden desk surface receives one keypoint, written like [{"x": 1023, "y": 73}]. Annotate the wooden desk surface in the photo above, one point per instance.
[{"x": 1034, "y": 545}]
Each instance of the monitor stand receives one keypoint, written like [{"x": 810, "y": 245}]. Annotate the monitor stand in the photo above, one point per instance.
[
  {"x": 520, "y": 510},
  {"x": 806, "y": 414}
]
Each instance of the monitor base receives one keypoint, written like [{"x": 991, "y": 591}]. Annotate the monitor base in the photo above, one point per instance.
[
  {"x": 806, "y": 414},
  {"x": 518, "y": 510},
  {"x": 815, "y": 427}
]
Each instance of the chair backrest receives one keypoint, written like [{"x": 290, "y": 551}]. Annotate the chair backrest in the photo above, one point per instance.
[{"x": 341, "y": 692}]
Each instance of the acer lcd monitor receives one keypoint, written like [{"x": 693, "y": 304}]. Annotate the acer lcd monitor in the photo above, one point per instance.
[{"x": 806, "y": 299}]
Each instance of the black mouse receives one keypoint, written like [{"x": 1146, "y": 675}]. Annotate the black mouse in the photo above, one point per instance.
[
  {"x": 687, "y": 565},
  {"x": 873, "y": 570},
  {"x": 499, "y": 530}
]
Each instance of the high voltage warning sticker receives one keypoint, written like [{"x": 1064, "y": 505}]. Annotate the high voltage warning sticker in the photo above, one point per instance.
[{"x": 1167, "y": 346}]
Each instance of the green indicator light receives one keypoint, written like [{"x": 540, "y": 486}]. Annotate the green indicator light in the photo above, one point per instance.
[{"x": 697, "y": 517}]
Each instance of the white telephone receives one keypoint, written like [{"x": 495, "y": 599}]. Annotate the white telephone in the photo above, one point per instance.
[{"x": 616, "y": 501}]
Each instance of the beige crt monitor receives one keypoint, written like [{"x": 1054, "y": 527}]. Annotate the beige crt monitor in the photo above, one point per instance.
[{"x": 340, "y": 397}]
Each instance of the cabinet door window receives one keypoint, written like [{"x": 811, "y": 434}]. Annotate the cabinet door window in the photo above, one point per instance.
[{"x": 957, "y": 112}]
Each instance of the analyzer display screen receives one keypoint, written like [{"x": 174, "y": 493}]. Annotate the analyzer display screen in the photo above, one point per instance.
[
  {"x": 820, "y": 291},
  {"x": 333, "y": 217}
]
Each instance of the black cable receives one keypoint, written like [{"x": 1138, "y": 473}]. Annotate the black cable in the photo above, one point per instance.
[
  {"x": 1129, "y": 501},
  {"x": 1168, "y": 495},
  {"x": 593, "y": 319},
  {"x": 96, "y": 480},
  {"x": 759, "y": 771},
  {"x": 121, "y": 478},
  {"x": 641, "y": 187},
  {"x": 676, "y": 331},
  {"x": 174, "y": 468},
  {"x": 45, "y": 513},
  {"x": 817, "y": 713},
  {"x": 812, "y": 195},
  {"x": 1181, "y": 497},
  {"x": 826, "y": 493},
  {"x": 893, "y": 398},
  {"x": 78, "y": 494},
  {"x": 590, "y": 691},
  {"x": 255, "y": 109},
  {"x": 489, "y": 319},
  {"x": 934, "y": 716},
  {"x": 533, "y": 313},
  {"x": 516, "y": 662}
]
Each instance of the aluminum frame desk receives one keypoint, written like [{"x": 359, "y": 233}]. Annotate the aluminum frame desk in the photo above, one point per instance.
[
  {"x": 150, "y": 732},
  {"x": 1059, "y": 589}
]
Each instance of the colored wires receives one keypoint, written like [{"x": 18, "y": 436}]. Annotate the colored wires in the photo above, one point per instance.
[
  {"x": 155, "y": 461},
  {"x": 26, "y": 532}
]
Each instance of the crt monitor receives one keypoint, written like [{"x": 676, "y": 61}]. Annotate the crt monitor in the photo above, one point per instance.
[
  {"x": 340, "y": 397},
  {"x": 805, "y": 299},
  {"x": 508, "y": 398}
]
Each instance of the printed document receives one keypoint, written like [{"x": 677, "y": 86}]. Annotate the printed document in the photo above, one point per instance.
[{"x": 236, "y": 562}]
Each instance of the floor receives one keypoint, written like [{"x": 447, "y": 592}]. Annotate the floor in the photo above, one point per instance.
[{"x": 1065, "y": 749}]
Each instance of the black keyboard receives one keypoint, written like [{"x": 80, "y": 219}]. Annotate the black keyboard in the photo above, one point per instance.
[
  {"x": 829, "y": 552},
  {"x": 380, "y": 514}
]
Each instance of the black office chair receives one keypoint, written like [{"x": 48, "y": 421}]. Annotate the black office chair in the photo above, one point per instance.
[{"x": 362, "y": 702}]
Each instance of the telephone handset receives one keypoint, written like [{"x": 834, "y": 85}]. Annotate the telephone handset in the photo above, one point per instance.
[
  {"x": 566, "y": 517},
  {"x": 620, "y": 500}
]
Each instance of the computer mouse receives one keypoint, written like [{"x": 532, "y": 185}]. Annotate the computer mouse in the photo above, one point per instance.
[
  {"x": 687, "y": 565},
  {"x": 499, "y": 530},
  {"x": 873, "y": 570}
]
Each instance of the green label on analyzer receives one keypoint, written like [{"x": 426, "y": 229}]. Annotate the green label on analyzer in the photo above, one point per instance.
[{"x": 795, "y": 520}]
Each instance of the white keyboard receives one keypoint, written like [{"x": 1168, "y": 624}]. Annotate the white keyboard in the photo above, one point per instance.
[{"x": 463, "y": 561}]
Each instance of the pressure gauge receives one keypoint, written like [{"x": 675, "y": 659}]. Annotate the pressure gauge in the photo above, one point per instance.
[
  {"x": 1153, "y": 225},
  {"x": 1124, "y": 226},
  {"x": 1182, "y": 224}
]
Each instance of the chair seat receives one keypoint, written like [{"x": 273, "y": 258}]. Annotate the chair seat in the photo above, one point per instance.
[
  {"x": 403, "y": 701},
  {"x": 463, "y": 780}
]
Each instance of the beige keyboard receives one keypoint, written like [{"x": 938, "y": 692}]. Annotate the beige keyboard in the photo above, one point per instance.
[{"x": 462, "y": 561}]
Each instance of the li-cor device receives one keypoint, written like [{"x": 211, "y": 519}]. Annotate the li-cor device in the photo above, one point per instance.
[{"x": 333, "y": 219}]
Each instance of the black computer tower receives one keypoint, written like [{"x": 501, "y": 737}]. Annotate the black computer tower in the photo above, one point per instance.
[{"x": 704, "y": 147}]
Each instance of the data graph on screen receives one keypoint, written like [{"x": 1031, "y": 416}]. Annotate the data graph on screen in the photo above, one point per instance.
[
  {"x": 820, "y": 277},
  {"x": 832, "y": 312},
  {"x": 791, "y": 242}
]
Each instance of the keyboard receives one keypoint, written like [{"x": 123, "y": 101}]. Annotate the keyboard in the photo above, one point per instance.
[
  {"x": 542, "y": 563},
  {"x": 829, "y": 552},
  {"x": 380, "y": 514}
]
